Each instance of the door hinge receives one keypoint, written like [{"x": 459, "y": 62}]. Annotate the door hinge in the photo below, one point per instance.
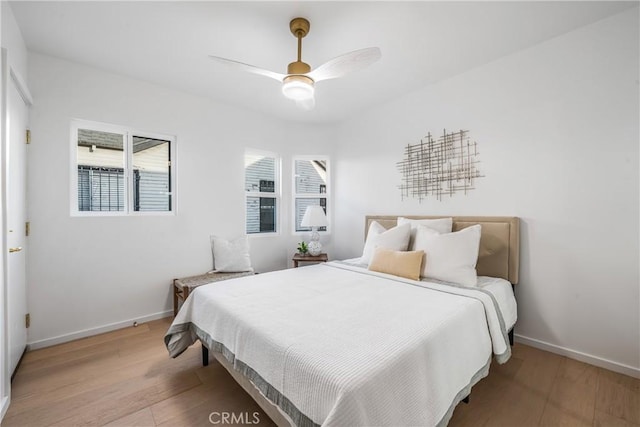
[
  {"x": 28, "y": 136},
  {"x": 27, "y": 228},
  {"x": 27, "y": 320}
]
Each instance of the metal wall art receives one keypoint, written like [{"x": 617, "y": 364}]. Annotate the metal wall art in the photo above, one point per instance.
[{"x": 439, "y": 167}]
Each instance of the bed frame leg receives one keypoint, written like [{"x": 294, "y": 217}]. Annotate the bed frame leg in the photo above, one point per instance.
[
  {"x": 466, "y": 399},
  {"x": 513, "y": 287},
  {"x": 205, "y": 355}
]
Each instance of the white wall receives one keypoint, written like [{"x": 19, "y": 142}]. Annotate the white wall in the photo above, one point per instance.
[
  {"x": 86, "y": 273},
  {"x": 12, "y": 41},
  {"x": 558, "y": 133}
]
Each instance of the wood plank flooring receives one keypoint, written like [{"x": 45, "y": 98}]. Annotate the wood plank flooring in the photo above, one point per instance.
[{"x": 126, "y": 378}]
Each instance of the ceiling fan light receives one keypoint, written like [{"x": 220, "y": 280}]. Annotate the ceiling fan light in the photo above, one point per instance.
[{"x": 298, "y": 88}]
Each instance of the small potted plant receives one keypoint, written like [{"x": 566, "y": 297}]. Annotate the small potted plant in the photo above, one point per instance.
[{"x": 303, "y": 249}]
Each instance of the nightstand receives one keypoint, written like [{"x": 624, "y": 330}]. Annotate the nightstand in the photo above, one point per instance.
[{"x": 308, "y": 258}]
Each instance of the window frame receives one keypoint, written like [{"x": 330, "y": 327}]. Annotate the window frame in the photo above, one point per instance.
[
  {"x": 326, "y": 195},
  {"x": 277, "y": 193},
  {"x": 128, "y": 134}
]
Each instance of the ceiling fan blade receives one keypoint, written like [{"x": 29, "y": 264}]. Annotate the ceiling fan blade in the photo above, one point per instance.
[
  {"x": 306, "y": 104},
  {"x": 249, "y": 68},
  {"x": 345, "y": 64}
]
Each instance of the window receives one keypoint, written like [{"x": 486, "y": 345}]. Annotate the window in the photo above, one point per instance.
[
  {"x": 262, "y": 189},
  {"x": 119, "y": 171},
  {"x": 310, "y": 187}
]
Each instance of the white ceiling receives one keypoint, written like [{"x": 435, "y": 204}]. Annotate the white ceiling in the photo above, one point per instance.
[{"x": 422, "y": 42}]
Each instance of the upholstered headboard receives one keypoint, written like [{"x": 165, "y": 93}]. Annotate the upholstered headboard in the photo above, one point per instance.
[{"x": 499, "y": 254}]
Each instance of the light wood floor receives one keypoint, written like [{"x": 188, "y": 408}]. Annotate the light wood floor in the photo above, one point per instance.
[{"x": 125, "y": 378}]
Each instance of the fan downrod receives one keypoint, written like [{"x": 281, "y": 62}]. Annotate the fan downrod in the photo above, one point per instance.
[{"x": 299, "y": 28}]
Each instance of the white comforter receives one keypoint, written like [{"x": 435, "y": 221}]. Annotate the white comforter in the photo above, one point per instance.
[{"x": 337, "y": 345}]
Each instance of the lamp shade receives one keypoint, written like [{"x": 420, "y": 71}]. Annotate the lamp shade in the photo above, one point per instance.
[{"x": 314, "y": 217}]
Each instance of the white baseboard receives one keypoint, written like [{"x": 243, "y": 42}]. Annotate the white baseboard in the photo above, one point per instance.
[
  {"x": 4, "y": 405},
  {"x": 95, "y": 331},
  {"x": 578, "y": 355}
]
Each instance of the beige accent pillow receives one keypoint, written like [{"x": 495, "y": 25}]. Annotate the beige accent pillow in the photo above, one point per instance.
[{"x": 398, "y": 263}]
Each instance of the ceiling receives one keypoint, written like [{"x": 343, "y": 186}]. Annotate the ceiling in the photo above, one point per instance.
[{"x": 422, "y": 42}]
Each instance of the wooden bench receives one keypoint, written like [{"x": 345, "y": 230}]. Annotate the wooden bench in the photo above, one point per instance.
[{"x": 184, "y": 286}]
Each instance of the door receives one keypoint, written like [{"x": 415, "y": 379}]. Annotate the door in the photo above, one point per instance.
[{"x": 16, "y": 244}]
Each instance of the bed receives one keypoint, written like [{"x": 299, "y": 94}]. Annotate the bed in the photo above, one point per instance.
[{"x": 336, "y": 344}]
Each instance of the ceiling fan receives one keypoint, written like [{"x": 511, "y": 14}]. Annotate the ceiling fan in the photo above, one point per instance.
[{"x": 298, "y": 83}]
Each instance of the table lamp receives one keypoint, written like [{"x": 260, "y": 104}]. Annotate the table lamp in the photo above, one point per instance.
[{"x": 314, "y": 217}]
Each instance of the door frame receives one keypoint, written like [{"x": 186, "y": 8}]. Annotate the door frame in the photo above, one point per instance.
[
  {"x": 5, "y": 375},
  {"x": 8, "y": 76}
]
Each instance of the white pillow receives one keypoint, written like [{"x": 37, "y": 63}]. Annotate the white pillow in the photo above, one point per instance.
[
  {"x": 230, "y": 256},
  {"x": 451, "y": 257},
  {"x": 396, "y": 239},
  {"x": 441, "y": 225}
]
